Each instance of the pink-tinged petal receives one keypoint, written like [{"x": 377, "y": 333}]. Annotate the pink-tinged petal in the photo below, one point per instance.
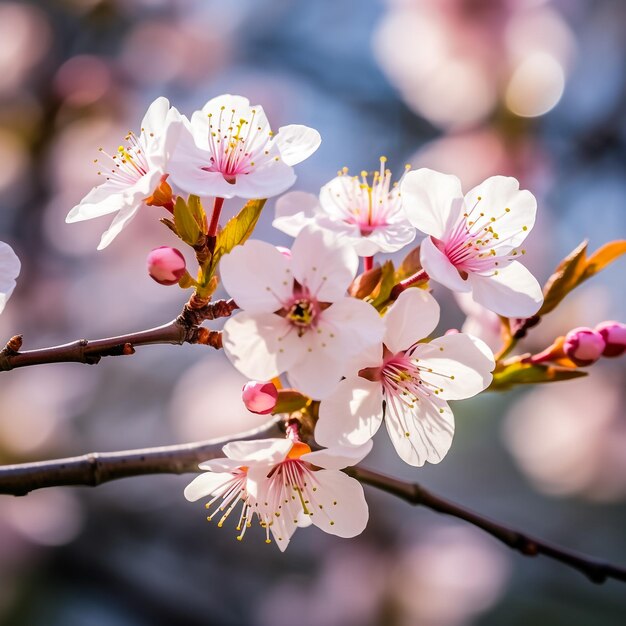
[
  {"x": 263, "y": 451},
  {"x": 322, "y": 264},
  {"x": 337, "y": 457},
  {"x": 206, "y": 485},
  {"x": 351, "y": 414},
  {"x": 432, "y": 201},
  {"x": 338, "y": 505},
  {"x": 422, "y": 432},
  {"x": 512, "y": 292},
  {"x": 317, "y": 373},
  {"x": 413, "y": 316},
  {"x": 283, "y": 529},
  {"x": 261, "y": 345},
  {"x": 439, "y": 268},
  {"x": 349, "y": 326},
  {"x": 294, "y": 211},
  {"x": 257, "y": 276},
  {"x": 507, "y": 209},
  {"x": 372, "y": 356},
  {"x": 297, "y": 143},
  {"x": 461, "y": 365},
  {"x": 9, "y": 270}
]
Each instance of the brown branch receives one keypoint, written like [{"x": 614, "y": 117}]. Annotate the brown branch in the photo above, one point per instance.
[
  {"x": 596, "y": 571},
  {"x": 97, "y": 468},
  {"x": 184, "y": 329}
]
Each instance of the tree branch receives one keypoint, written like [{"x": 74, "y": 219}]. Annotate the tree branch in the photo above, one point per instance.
[
  {"x": 597, "y": 571},
  {"x": 184, "y": 329},
  {"x": 97, "y": 468}
]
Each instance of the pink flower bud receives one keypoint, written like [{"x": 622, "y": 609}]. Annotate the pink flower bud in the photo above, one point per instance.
[
  {"x": 259, "y": 397},
  {"x": 614, "y": 335},
  {"x": 583, "y": 346},
  {"x": 166, "y": 265}
]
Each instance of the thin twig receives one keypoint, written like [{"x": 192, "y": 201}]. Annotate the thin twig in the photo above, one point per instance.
[
  {"x": 597, "y": 571},
  {"x": 98, "y": 468},
  {"x": 184, "y": 329}
]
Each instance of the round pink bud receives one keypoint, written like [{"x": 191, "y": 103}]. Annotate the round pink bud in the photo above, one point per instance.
[
  {"x": 583, "y": 346},
  {"x": 166, "y": 265},
  {"x": 259, "y": 397},
  {"x": 614, "y": 335}
]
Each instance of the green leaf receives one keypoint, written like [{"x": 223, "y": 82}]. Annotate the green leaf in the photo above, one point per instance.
[
  {"x": 380, "y": 295},
  {"x": 577, "y": 268},
  {"x": 186, "y": 226},
  {"x": 197, "y": 211},
  {"x": 169, "y": 224},
  {"x": 237, "y": 230},
  {"x": 518, "y": 373},
  {"x": 289, "y": 401}
]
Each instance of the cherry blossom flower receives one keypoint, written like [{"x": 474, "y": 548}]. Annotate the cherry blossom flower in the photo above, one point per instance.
[
  {"x": 368, "y": 215},
  {"x": 296, "y": 316},
  {"x": 229, "y": 150},
  {"x": 408, "y": 384},
  {"x": 286, "y": 486},
  {"x": 480, "y": 322},
  {"x": 133, "y": 172},
  {"x": 472, "y": 243},
  {"x": 9, "y": 270}
]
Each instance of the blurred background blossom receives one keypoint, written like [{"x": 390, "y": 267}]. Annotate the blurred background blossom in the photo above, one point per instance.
[{"x": 471, "y": 87}]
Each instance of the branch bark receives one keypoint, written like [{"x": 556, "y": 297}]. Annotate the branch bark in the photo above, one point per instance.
[
  {"x": 97, "y": 468},
  {"x": 184, "y": 329}
]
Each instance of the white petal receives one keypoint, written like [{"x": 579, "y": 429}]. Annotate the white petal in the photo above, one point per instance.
[
  {"x": 420, "y": 434},
  {"x": 297, "y": 143},
  {"x": 261, "y": 345},
  {"x": 348, "y": 517},
  {"x": 439, "y": 268},
  {"x": 265, "y": 181},
  {"x": 154, "y": 119},
  {"x": 461, "y": 365},
  {"x": 512, "y": 292},
  {"x": 431, "y": 200},
  {"x": 497, "y": 194},
  {"x": 337, "y": 457},
  {"x": 205, "y": 485},
  {"x": 101, "y": 200},
  {"x": 220, "y": 465},
  {"x": 9, "y": 270},
  {"x": 294, "y": 211},
  {"x": 283, "y": 529},
  {"x": 349, "y": 326},
  {"x": 388, "y": 238},
  {"x": 322, "y": 264},
  {"x": 316, "y": 373},
  {"x": 227, "y": 102},
  {"x": 265, "y": 451},
  {"x": 257, "y": 276},
  {"x": 120, "y": 221},
  {"x": 413, "y": 316},
  {"x": 351, "y": 414}
]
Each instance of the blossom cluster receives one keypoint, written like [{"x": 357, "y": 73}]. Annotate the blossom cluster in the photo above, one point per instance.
[{"x": 357, "y": 349}]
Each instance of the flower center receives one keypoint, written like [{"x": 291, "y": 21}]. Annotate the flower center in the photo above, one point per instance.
[
  {"x": 474, "y": 242},
  {"x": 236, "y": 143},
  {"x": 129, "y": 162},
  {"x": 369, "y": 203},
  {"x": 302, "y": 313}
]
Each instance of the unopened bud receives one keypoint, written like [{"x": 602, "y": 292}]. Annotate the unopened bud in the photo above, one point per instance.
[
  {"x": 583, "y": 346},
  {"x": 166, "y": 265},
  {"x": 259, "y": 397},
  {"x": 614, "y": 335}
]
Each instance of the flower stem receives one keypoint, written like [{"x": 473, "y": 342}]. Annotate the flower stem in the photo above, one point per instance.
[
  {"x": 419, "y": 276},
  {"x": 368, "y": 263},
  {"x": 215, "y": 217}
]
